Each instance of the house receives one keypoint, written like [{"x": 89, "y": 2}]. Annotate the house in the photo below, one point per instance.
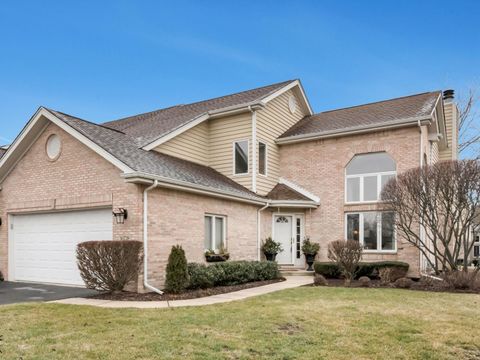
[{"x": 228, "y": 171}]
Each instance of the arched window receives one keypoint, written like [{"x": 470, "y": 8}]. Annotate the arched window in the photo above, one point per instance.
[{"x": 366, "y": 175}]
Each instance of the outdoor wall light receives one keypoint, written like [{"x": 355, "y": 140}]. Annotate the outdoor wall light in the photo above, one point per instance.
[{"x": 121, "y": 215}]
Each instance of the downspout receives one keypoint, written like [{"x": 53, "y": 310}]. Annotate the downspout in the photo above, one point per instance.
[
  {"x": 422, "y": 260},
  {"x": 145, "y": 239},
  {"x": 258, "y": 229}
]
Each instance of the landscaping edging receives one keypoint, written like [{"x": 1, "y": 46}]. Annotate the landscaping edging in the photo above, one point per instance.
[{"x": 290, "y": 282}]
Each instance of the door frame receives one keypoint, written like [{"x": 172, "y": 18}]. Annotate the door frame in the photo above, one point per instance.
[{"x": 296, "y": 262}]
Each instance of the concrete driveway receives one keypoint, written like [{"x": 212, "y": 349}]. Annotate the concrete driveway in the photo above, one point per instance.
[{"x": 17, "y": 292}]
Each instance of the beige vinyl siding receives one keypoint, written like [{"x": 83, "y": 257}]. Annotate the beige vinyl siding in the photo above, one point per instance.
[
  {"x": 191, "y": 145},
  {"x": 272, "y": 122},
  {"x": 450, "y": 152},
  {"x": 223, "y": 133}
]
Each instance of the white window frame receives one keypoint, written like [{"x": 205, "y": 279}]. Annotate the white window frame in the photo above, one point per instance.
[
  {"x": 361, "y": 177},
  {"x": 248, "y": 157},
  {"x": 379, "y": 232},
  {"x": 213, "y": 230},
  {"x": 266, "y": 158}
]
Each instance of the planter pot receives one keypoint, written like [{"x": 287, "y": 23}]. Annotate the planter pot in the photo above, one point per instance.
[
  {"x": 270, "y": 257},
  {"x": 217, "y": 257},
  {"x": 310, "y": 258}
]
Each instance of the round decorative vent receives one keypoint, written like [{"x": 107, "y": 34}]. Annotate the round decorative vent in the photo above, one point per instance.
[
  {"x": 53, "y": 147},
  {"x": 292, "y": 104}
]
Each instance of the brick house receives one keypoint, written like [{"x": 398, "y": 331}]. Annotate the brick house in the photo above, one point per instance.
[{"x": 228, "y": 172}]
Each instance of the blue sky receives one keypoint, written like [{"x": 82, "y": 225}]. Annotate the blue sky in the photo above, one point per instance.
[{"x": 103, "y": 60}]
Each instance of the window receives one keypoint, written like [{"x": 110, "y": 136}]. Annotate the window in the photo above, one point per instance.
[
  {"x": 374, "y": 230},
  {"x": 366, "y": 175},
  {"x": 262, "y": 158},
  {"x": 53, "y": 147},
  {"x": 241, "y": 157},
  {"x": 215, "y": 231}
]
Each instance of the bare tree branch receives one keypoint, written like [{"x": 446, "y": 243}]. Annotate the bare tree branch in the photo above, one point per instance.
[{"x": 469, "y": 126}]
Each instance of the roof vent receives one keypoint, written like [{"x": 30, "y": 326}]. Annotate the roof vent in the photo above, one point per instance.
[{"x": 448, "y": 94}]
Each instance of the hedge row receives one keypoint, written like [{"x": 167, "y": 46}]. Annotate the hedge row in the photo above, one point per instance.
[
  {"x": 370, "y": 269},
  {"x": 231, "y": 273}
]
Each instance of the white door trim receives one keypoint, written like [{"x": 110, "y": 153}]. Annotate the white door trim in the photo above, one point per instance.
[{"x": 294, "y": 217}]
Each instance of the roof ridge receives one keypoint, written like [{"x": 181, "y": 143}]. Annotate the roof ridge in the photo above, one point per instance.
[
  {"x": 87, "y": 121},
  {"x": 203, "y": 101},
  {"x": 377, "y": 102}
]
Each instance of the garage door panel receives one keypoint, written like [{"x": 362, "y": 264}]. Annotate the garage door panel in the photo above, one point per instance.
[{"x": 44, "y": 244}]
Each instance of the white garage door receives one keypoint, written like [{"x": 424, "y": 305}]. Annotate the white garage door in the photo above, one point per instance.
[{"x": 43, "y": 245}]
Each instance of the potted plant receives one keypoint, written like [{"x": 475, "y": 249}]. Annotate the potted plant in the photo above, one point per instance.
[
  {"x": 221, "y": 255},
  {"x": 271, "y": 248},
  {"x": 310, "y": 250}
]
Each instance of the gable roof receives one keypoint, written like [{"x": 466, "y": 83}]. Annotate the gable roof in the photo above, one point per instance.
[
  {"x": 284, "y": 192},
  {"x": 145, "y": 128},
  {"x": 369, "y": 116},
  {"x": 122, "y": 147}
]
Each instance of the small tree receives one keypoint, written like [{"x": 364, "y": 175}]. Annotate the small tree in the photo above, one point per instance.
[
  {"x": 177, "y": 271},
  {"x": 346, "y": 254},
  {"x": 435, "y": 210}
]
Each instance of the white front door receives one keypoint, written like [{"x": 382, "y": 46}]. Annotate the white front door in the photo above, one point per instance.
[
  {"x": 283, "y": 233},
  {"x": 43, "y": 246}
]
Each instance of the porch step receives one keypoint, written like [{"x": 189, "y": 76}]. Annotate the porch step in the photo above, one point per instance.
[{"x": 292, "y": 271}]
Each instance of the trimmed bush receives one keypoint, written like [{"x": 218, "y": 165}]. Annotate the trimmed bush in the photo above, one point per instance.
[
  {"x": 109, "y": 265},
  {"x": 319, "y": 280},
  {"x": 403, "y": 283},
  {"x": 364, "y": 281},
  {"x": 231, "y": 273},
  {"x": 369, "y": 269},
  {"x": 177, "y": 271},
  {"x": 1, "y": 276},
  {"x": 328, "y": 269}
]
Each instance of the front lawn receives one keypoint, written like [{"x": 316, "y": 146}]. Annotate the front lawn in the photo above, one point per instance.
[{"x": 315, "y": 323}]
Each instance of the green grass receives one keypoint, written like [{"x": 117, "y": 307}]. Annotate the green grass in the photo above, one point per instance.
[{"x": 315, "y": 323}]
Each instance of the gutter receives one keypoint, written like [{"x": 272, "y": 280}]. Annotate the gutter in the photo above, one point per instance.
[
  {"x": 145, "y": 239},
  {"x": 354, "y": 130},
  {"x": 258, "y": 229},
  {"x": 189, "y": 187}
]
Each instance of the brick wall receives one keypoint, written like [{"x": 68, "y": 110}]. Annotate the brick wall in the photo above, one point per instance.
[
  {"x": 177, "y": 217},
  {"x": 319, "y": 166},
  {"x": 78, "y": 179}
]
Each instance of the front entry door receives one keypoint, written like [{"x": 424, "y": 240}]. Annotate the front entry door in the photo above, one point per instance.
[{"x": 283, "y": 234}]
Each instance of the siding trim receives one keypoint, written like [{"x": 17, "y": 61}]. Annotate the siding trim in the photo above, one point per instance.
[{"x": 254, "y": 151}]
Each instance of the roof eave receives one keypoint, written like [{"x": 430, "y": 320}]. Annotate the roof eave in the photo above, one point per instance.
[
  {"x": 294, "y": 204},
  {"x": 424, "y": 120},
  {"x": 145, "y": 178}
]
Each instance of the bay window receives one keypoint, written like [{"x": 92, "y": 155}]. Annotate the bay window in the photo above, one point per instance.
[
  {"x": 366, "y": 175},
  {"x": 215, "y": 232},
  {"x": 374, "y": 230}
]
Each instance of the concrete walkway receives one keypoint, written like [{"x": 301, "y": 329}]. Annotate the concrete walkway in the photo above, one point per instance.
[{"x": 290, "y": 282}]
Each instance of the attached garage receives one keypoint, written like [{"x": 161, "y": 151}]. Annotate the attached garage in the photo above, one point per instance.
[{"x": 42, "y": 246}]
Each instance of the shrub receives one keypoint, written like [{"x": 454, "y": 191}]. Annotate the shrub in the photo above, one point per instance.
[
  {"x": 270, "y": 246},
  {"x": 346, "y": 254},
  {"x": 319, "y": 280},
  {"x": 329, "y": 270},
  {"x": 177, "y": 273},
  {"x": 364, "y": 281},
  {"x": 109, "y": 265},
  {"x": 461, "y": 280},
  {"x": 372, "y": 269},
  {"x": 231, "y": 273},
  {"x": 1, "y": 277},
  {"x": 403, "y": 283},
  {"x": 310, "y": 248}
]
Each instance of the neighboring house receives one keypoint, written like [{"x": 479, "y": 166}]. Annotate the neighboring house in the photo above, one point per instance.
[{"x": 229, "y": 172}]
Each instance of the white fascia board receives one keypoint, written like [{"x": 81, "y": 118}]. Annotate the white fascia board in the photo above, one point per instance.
[
  {"x": 231, "y": 110},
  {"x": 139, "y": 177},
  {"x": 67, "y": 128},
  {"x": 287, "y": 87},
  {"x": 300, "y": 190},
  {"x": 356, "y": 130},
  {"x": 293, "y": 204}
]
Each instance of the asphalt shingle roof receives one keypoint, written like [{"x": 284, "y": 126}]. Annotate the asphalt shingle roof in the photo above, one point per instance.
[
  {"x": 146, "y": 128},
  {"x": 372, "y": 114},
  {"x": 122, "y": 147},
  {"x": 2, "y": 151},
  {"x": 284, "y": 192}
]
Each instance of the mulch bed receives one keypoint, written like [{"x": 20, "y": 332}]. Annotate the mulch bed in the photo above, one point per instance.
[
  {"x": 189, "y": 294},
  {"x": 418, "y": 285}
]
